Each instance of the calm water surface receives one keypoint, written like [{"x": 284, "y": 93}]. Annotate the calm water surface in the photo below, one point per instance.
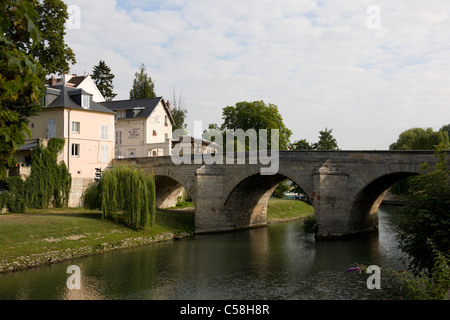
[{"x": 277, "y": 262}]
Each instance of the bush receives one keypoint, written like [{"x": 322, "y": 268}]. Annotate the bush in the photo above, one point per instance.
[
  {"x": 426, "y": 215},
  {"x": 310, "y": 225},
  {"x": 428, "y": 285},
  {"x": 92, "y": 197},
  {"x": 12, "y": 197}
]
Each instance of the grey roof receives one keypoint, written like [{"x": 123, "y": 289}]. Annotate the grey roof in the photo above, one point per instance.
[
  {"x": 65, "y": 98},
  {"x": 143, "y": 107}
]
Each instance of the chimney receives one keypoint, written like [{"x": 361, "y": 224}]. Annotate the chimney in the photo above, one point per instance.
[
  {"x": 168, "y": 104},
  {"x": 52, "y": 81}
]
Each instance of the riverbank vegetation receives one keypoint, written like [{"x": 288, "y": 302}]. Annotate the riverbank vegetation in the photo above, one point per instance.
[
  {"x": 287, "y": 209},
  {"x": 128, "y": 194},
  {"x": 56, "y": 234},
  {"x": 47, "y": 186},
  {"x": 424, "y": 231}
]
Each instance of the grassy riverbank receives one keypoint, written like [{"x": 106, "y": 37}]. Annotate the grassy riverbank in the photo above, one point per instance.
[{"x": 40, "y": 237}]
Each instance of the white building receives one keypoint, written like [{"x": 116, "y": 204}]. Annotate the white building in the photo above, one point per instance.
[{"x": 143, "y": 127}]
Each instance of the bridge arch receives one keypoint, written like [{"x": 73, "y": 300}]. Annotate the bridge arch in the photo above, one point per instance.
[
  {"x": 247, "y": 197},
  {"x": 169, "y": 186},
  {"x": 364, "y": 207}
]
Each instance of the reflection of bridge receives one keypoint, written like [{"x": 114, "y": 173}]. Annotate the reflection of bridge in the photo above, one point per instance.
[{"x": 345, "y": 187}]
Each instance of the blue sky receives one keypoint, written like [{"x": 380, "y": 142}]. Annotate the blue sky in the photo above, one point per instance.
[{"x": 316, "y": 60}]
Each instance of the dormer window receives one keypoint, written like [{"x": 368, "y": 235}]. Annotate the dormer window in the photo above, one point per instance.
[{"x": 85, "y": 101}]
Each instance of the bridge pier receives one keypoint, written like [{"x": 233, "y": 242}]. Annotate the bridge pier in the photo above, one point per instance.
[
  {"x": 208, "y": 217},
  {"x": 332, "y": 199}
]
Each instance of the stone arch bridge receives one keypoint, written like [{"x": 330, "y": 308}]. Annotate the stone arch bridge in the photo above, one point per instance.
[{"x": 345, "y": 187}]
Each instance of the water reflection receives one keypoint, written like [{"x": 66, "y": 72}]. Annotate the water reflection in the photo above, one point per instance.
[{"x": 277, "y": 262}]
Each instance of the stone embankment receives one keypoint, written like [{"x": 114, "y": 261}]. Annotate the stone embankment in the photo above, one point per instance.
[{"x": 51, "y": 257}]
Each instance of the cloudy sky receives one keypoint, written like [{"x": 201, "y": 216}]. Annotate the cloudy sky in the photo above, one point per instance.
[{"x": 324, "y": 63}]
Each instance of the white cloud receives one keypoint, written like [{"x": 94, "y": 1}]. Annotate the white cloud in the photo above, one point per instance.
[{"x": 316, "y": 60}]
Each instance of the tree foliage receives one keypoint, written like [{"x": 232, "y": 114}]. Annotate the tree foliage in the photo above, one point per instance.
[
  {"x": 20, "y": 77},
  {"x": 129, "y": 191},
  {"x": 143, "y": 86},
  {"x": 256, "y": 115},
  {"x": 103, "y": 79},
  {"x": 52, "y": 52},
  {"x": 31, "y": 45},
  {"x": 446, "y": 128},
  {"x": 426, "y": 214},
  {"x": 179, "y": 113},
  {"x": 420, "y": 139},
  {"x": 431, "y": 284},
  {"x": 49, "y": 182},
  {"x": 326, "y": 142}
]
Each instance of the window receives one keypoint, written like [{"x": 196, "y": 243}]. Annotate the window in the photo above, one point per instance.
[
  {"x": 104, "y": 132},
  {"x": 85, "y": 101},
  {"x": 118, "y": 137},
  {"x": 154, "y": 132},
  {"x": 121, "y": 114},
  {"x": 75, "y": 127},
  {"x": 104, "y": 154},
  {"x": 51, "y": 128},
  {"x": 166, "y": 123},
  {"x": 75, "y": 150}
]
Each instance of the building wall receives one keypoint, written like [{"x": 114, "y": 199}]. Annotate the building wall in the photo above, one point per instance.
[
  {"x": 144, "y": 137},
  {"x": 89, "y": 138},
  {"x": 90, "y": 142},
  {"x": 156, "y": 123}
]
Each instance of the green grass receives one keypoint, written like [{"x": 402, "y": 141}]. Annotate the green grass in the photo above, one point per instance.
[
  {"x": 39, "y": 231},
  {"x": 287, "y": 209}
]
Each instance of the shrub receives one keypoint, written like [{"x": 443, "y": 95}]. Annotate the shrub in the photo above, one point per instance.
[
  {"x": 310, "y": 225},
  {"x": 92, "y": 197}
]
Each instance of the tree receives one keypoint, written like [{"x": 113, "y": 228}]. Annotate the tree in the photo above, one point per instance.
[
  {"x": 21, "y": 77},
  {"x": 326, "y": 141},
  {"x": 52, "y": 52},
  {"x": 417, "y": 139},
  {"x": 143, "y": 86},
  {"x": 420, "y": 139},
  {"x": 48, "y": 20},
  {"x": 131, "y": 191},
  {"x": 178, "y": 113},
  {"x": 103, "y": 79},
  {"x": 256, "y": 115},
  {"x": 446, "y": 128},
  {"x": 31, "y": 46},
  {"x": 301, "y": 145},
  {"x": 426, "y": 214}
]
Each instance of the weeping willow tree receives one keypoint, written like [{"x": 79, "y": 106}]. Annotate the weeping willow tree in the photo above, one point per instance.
[
  {"x": 129, "y": 193},
  {"x": 49, "y": 182}
]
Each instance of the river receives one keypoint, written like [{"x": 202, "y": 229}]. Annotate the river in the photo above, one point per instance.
[{"x": 278, "y": 262}]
